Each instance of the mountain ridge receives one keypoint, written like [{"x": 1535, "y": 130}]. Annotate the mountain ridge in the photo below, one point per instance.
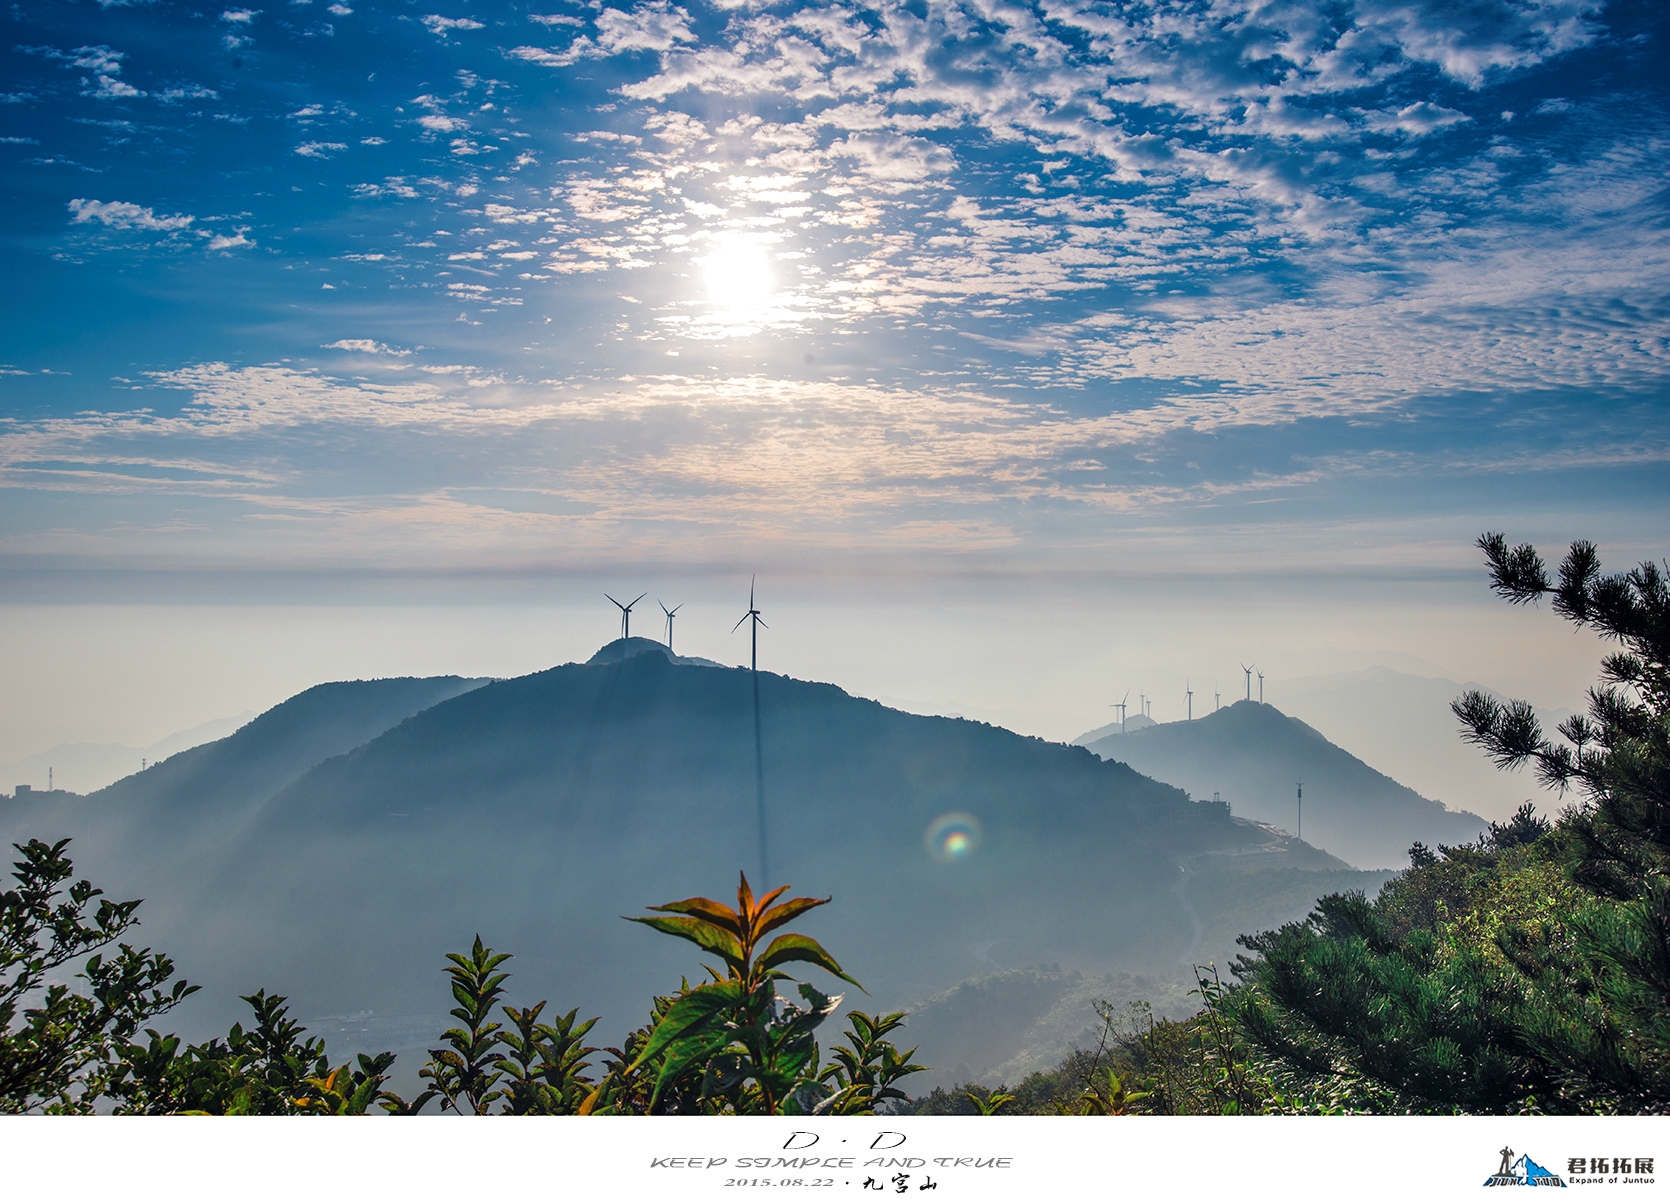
[
  {"x": 1254, "y": 756},
  {"x": 539, "y": 810}
]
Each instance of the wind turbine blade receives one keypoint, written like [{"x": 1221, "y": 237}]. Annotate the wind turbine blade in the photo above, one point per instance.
[
  {"x": 640, "y": 597},
  {"x": 762, "y": 624},
  {"x": 676, "y": 607},
  {"x": 613, "y": 601},
  {"x": 738, "y": 625}
]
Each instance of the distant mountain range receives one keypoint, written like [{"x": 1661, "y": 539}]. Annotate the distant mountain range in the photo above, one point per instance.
[
  {"x": 1131, "y": 724},
  {"x": 1254, "y": 758},
  {"x": 88, "y": 766},
  {"x": 337, "y": 846},
  {"x": 1402, "y": 724}
]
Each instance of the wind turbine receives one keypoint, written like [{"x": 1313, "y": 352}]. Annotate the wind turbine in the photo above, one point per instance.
[
  {"x": 1261, "y": 687},
  {"x": 1249, "y": 672},
  {"x": 670, "y": 613},
  {"x": 1301, "y": 810},
  {"x": 1142, "y": 704},
  {"x": 1189, "y": 692},
  {"x": 625, "y": 613},
  {"x": 1216, "y": 697},
  {"x": 1121, "y": 707},
  {"x": 753, "y": 614}
]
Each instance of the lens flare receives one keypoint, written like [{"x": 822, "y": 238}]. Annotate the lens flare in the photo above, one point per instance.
[{"x": 953, "y": 836}]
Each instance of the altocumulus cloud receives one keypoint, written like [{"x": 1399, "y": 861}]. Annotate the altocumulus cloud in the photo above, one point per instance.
[
  {"x": 961, "y": 257},
  {"x": 119, "y": 214}
]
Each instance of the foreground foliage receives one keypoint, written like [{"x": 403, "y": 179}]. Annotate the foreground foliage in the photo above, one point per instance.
[
  {"x": 58, "y": 1045},
  {"x": 1529, "y": 973},
  {"x": 732, "y": 1045}
]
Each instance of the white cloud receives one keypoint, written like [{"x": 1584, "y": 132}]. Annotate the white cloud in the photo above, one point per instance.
[
  {"x": 1418, "y": 119},
  {"x": 320, "y": 149},
  {"x": 119, "y": 214},
  {"x": 581, "y": 48},
  {"x": 653, "y": 26},
  {"x": 105, "y": 63},
  {"x": 364, "y": 346},
  {"x": 108, "y": 87},
  {"x": 186, "y": 92},
  {"x": 891, "y": 157},
  {"x": 441, "y": 26},
  {"x": 240, "y": 16},
  {"x": 439, "y": 123},
  {"x": 233, "y": 241}
]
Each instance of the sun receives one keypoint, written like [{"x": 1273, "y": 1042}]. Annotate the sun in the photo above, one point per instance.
[{"x": 738, "y": 275}]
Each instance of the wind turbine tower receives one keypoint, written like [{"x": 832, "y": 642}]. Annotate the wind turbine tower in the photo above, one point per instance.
[
  {"x": 625, "y": 613},
  {"x": 671, "y": 613},
  {"x": 1301, "y": 810},
  {"x": 1189, "y": 692},
  {"x": 1261, "y": 687},
  {"x": 753, "y": 615},
  {"x": 1121, "y": 707},
  {"x": 1216, "y": 697},
  {"x": 1249, "y": 672}
]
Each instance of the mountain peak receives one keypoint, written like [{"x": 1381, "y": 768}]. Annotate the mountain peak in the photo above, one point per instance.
[
  {"x": 1252, "y": 756},
  {"x": 622, "y": 649}
]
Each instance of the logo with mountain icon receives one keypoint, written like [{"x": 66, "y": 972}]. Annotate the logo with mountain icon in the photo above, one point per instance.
[{"x": 1522, "y": 1172}]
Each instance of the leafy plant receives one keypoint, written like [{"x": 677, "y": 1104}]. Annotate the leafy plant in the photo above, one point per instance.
[
  {"x": 866, "y": 1068},
  {"x": 272, "y": 1069},
  {"x": 1107, "y": 1097},
  {"x": 465, "y": 1073},
  {"x": 734, "y": 1035},
  {"x": 57, "y": 1044},
  {"x": 545, "y": 1066},
  {"x": 988, "y": 1103}
]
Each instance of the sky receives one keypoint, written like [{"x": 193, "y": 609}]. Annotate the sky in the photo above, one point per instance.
[{"x": 1023, "y": 351}]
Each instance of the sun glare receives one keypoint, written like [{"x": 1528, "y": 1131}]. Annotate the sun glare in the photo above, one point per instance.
[{"x": 738, "y": 276}]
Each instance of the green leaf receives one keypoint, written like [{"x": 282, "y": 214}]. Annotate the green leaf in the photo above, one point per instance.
[
  {"x": 709, "y": 910},
  {"x": 693, "y": 1048},
  {"x": 785, "y": 912},
  {"x": 687, "y": 1015},
  {"x": 709, "y": 937},
  {"x": 797, "y": 947}
]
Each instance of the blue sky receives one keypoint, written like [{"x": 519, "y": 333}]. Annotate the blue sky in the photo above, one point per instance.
[{"x": 1063, "y": 287}]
